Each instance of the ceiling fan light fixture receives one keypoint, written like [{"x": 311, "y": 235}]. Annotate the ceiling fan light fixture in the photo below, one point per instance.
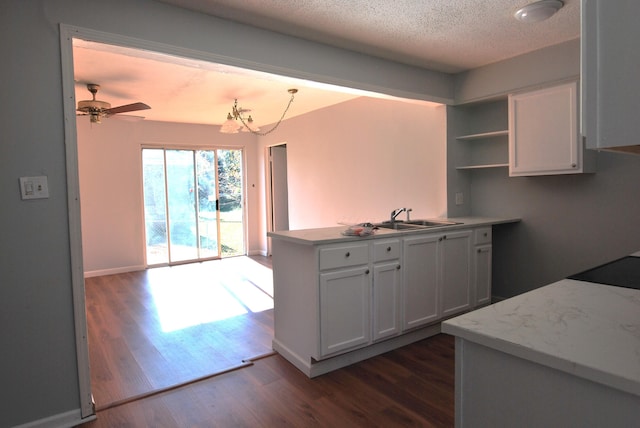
[
  {"x": 236, "y": 120},
  {"x": 538, "y": 11},
  {"x": 230, "y": 126},
  {"x": 97, "y": 109},
  {"x": 250, "y": 127}
]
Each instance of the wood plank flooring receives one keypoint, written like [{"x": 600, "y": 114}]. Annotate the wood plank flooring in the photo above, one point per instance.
[
  {"x": 409, "y": 387},
  {"x": 159, "y": 328},
  {"x": 152, "y": 369}
]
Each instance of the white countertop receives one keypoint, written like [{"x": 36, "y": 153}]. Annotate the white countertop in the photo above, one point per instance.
[
  {"x": 327, "y": 235},
  {"x": 585, "y": 329}
]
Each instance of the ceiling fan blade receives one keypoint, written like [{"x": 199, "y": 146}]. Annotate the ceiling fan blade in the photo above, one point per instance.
[{"x": 127, "y": 108}]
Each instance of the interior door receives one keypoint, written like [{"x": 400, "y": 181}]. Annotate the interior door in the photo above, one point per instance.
[
  {"x": 279, "y": 194},
  {"x": 278, "y": 204}
]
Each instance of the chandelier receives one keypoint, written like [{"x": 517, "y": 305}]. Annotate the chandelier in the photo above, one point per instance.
[{"x": 236, "y": 120}]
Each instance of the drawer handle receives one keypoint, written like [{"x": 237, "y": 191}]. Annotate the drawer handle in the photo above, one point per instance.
[
  {"x": 388, "y": 249},
  {"x": 398, "y": 267},
  {"x": 348, "y": 254}
]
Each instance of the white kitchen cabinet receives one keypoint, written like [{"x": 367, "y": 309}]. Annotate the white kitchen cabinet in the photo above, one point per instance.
[
  {"x": 344, "y": 309},
  {"x": 482, "y": 260},
  {"x": 543, "y": 133},
  {"x": 455, "y": 283},
  {"x": 345, "y": 284},
  {"x": 609, "y": 74},
  {"x": 420, "y": 278},
  {"x": 436, "y": 277},
  {"x": 386, "y": 289},
  {"x": 341, "y": 302},
  {"x": 386, "y": 299},
  {"x": 482, "y": 275}
]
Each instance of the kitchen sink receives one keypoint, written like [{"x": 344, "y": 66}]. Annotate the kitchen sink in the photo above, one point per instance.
[
  {"x": 431, "y": 223},
  {"x": 398, "y": 226},
  {"x": 414, "y": 224}
]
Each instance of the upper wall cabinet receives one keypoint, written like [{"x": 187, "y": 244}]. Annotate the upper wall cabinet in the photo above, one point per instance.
[
  {"x": 609, "y": 74},
  {"x": 543, "y": 133}
]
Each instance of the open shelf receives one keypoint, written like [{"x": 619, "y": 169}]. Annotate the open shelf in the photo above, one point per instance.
[
  {"x": 495, "y": 165},
  {"x": 483, "y": 135}
]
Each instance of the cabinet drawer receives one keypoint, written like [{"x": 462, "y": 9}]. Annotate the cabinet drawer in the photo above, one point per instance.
[
  {"x": 347, "y": 255},
  {"x": 386, "y": 250},
  {"x": 482, "y": 236}
]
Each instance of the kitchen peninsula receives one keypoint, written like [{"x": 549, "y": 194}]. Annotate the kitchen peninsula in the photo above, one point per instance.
[
  {"x": 563, "y": 355},
  {"x": 341, "y": 299}
]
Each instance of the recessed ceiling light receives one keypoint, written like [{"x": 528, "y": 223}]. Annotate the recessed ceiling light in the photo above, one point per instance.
[{"x": 538, "y": 11}]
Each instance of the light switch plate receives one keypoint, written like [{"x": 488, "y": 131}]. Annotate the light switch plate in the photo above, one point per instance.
[{"x": 34, "y": 187}]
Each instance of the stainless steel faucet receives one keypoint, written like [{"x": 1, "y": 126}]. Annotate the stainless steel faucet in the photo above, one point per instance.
[{"x": 396, "y": 212}]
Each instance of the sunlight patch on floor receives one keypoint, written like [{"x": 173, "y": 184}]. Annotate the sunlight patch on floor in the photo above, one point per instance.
[{"x": 191, "y": 295}]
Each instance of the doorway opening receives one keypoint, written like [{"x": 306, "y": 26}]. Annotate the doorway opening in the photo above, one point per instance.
[
  {"x": 193, "y": 204},
  {"x": 277, "y": 193}
]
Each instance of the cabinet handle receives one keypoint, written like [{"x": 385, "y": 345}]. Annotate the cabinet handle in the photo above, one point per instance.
[
  {"x": 398, "y": 267},
  {"x": 348, "y": 254},
  {"x": 444, "y": 237},
  {"x": 388, "y": 249},
  {"x": 573, "y": 165},
  {"x": 486, "y": 234},
  {"x": 366, "y": 272}
]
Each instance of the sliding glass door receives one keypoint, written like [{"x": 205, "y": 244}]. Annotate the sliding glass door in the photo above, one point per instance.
[{"x": 193, "y": 204}]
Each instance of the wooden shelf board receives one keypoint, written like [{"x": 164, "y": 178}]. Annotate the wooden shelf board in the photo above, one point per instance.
[
  {"x": 483, "y": 135},
  {"x": 495, "y": 165}
]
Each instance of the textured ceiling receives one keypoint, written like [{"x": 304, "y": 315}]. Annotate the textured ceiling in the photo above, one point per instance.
[{"x": 444, "y": 35}]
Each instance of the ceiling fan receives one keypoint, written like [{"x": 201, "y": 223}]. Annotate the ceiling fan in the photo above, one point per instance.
[{"x": 97, "y": 109}]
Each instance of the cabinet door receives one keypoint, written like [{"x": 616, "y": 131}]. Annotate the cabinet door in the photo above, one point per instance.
[
  {"x": 420, "y": 280},
  {"x": 344, "y": 309},
  {"x": 543, "y": 132},
  {"x": 482, "y": 275},
  {"x": 609, "y": 74},
  {"x": 386, "y": 299},
  {"x": 455, "y": 284}
]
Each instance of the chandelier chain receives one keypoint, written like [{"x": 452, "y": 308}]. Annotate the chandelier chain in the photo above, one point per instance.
[{"x": 262, "y": 134}]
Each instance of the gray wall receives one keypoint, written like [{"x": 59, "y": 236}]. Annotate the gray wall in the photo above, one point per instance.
[
  {"x": 38, "y": 368},
  {"x": 569, "y": 222},
  {"x": 585, "y": 219}
]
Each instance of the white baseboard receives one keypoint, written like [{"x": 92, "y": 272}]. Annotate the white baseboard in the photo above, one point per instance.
[
  {"x": 61, "y": 420},
  {"x": 257, "y": 253},
  {"x": 317, "y": 368},
  {"x": 113, "y": 271}
]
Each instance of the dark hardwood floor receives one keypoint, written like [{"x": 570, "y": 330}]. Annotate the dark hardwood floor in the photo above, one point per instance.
[
  {"x": 409, "y": 387},
  {"x": 159, "y": 328},
  {"x": 160, "y": 359}
]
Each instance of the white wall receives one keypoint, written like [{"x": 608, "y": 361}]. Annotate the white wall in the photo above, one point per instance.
[
  {"x": 111, "y": 191},
  {"x": 352, "y": 162},
  {"x": 360, "y": 159}
]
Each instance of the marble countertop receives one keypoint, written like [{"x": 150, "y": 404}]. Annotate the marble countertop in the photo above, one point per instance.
[
  {"x": 327, "y": 235},
  {"x": 585, "y": 329}
]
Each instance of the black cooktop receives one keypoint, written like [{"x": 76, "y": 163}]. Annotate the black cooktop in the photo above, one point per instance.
[{"x": 624, "y": 272}]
